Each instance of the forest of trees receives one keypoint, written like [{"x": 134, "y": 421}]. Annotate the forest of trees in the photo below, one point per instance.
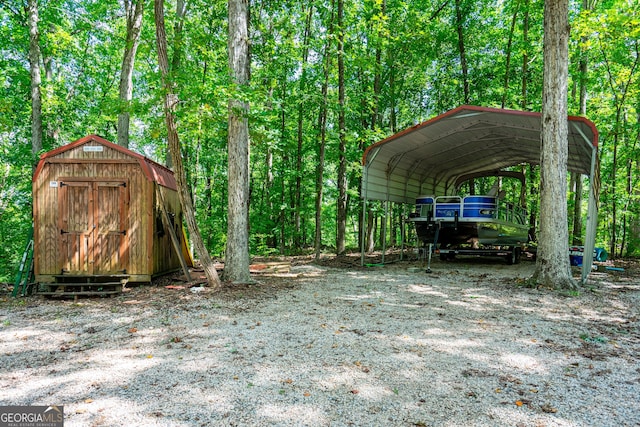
[{"x": 327, "y": 79}]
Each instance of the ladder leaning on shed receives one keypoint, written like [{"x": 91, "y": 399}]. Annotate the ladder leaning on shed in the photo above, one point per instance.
[{"x": 24, "y": 275}]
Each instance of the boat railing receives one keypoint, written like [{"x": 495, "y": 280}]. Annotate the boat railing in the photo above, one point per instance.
[
  {"x": 511, "y": 213},
  {"x": 447, "y": 208}
]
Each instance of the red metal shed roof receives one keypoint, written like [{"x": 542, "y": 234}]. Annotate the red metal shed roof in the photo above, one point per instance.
[{"x": 153, "y": 171}]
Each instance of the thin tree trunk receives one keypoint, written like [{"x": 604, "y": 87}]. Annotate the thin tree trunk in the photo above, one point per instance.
[
  {"x": 507, "y": 66},
  {"x": 176, "y": 56},
  {"x": 170, "y": 102},
  {"x": 552, "y": 266},
  {"x": 577, "y": 205},
  {"x": 282, "y": 217},
  {"x": 342, "y": 167},
  {"x": 619, "y": 97},
  {"x": 533, "y": 231},
  {"x": 462, "y": 51},
  {"x": 322, "y": 128},
  {"x": 370, "y": 236},
  {"x": 634, "y": 225},
  {"x": 272, "y": 238},
  {"x": 392, "y": 94},
  {"x": 614, "y": 177},
  {"x": 525, "y": 56},
  {"x": 377, "y": 89},
  {"x": 377, "y": 78},
  {"x": 465, "y": 68},
  {"x": 36, "y": 95},
  {"x": 236, "y": 267},
  {"x": 133, "y": 13},
  {"x": 301, "y": 106}
]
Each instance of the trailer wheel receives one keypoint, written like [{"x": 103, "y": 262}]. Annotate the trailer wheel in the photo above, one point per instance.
[
  {"x": 450, "y": 256},
  {"x": 514, "y": 256}
]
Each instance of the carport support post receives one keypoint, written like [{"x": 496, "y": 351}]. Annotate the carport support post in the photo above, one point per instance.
[
  {"x": 384, "y": 227},
  {"x": 364, "y": 215},
  {"x": 592, "y": 221},
  {"x": 402, "y": 231}
]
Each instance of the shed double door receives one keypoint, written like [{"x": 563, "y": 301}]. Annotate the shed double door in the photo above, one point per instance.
[{"x": 93, "y": 221}]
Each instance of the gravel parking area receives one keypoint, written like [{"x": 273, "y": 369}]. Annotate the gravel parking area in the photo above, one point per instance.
[{"x": 466, "y": 345}]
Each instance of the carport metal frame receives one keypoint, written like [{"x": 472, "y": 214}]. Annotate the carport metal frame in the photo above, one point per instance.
[{"x": 428, "y": 158}]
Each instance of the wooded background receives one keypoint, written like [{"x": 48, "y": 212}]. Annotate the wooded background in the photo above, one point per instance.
[{"x": 328, "y": 78}]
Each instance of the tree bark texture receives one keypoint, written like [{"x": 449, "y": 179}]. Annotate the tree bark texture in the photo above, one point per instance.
[
  {"x": 552, "y": 266},
  {"x": 170, "y": 102},
  {"x": 181, "y": 10},
  {"x": 36, "y": 95},
  {"x": 322, "y": 129},
  {"x": 577, "y": 206},
  {"x": 462, "y": 51},
  {"x": 236, "y": 267},
  {"x": 133, "y": 12},
  {"x": 507, "y": 65},
  {"x": 298, "y": 239},
  {"x": 525, "y": 56},
  {"x": 342, "y": 166}
]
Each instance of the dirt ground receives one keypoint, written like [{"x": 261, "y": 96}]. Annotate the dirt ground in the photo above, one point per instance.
[{"x": 331, "y": 343}]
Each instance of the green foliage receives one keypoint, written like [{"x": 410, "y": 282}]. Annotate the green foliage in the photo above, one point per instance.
[{"x": 402, "y": 66}]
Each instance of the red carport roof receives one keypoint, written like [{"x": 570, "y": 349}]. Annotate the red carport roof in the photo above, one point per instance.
[{"x": 428, "y": 158}]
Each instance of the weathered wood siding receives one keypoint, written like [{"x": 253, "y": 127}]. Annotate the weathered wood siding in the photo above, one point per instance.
[
  {"x": 164, "y": 257},
  {"x": 103, "y": 178}
]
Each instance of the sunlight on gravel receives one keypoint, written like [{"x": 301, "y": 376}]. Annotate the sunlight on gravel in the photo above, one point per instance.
[{"x": 322, "y": 346}]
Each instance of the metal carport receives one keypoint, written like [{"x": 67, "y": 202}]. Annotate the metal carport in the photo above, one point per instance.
[{"x": 428, "y": 158}]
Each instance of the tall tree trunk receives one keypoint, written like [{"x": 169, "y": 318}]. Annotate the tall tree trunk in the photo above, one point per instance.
[
  {"x": 342, "y": 149},
  {"x": 236, "y": 267},
  {"x": 301, "y": 106},
  {"x": 282, "y": 217},
  {"x": 634, "y": 226},
  {"x": 552, "y": 266},
  {"x": 462, "y": 51},
  {"x": 176, "y": 56},
  {"x": 36, "y": 95},
  {"x": 170, "y": 102},
  {"x": 507, "y": 66},
  {"x": 392, "y": 93},
  {"x": 377, "y": 77},
  {"x": 322, "y": 129},
  {"x": 619, "y": 92},
  {"x": 377, "y": 89},
  {"x": 614, "y": 176},
  {"x": 577, "y": 177},
  {"x": 133, "y": 13},
  {"x": 525, "y": 56},
  {"x": 533, "y": 231}
]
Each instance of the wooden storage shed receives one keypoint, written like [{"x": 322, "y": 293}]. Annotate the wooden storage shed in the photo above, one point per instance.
[{"x": 101, "y": 218}]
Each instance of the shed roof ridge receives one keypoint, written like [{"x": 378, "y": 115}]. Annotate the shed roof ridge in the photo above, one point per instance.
[{"x": 153, "y": 170}]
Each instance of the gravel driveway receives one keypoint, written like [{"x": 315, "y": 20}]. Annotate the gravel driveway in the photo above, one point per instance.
[{"x": 466, "y": 345}]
